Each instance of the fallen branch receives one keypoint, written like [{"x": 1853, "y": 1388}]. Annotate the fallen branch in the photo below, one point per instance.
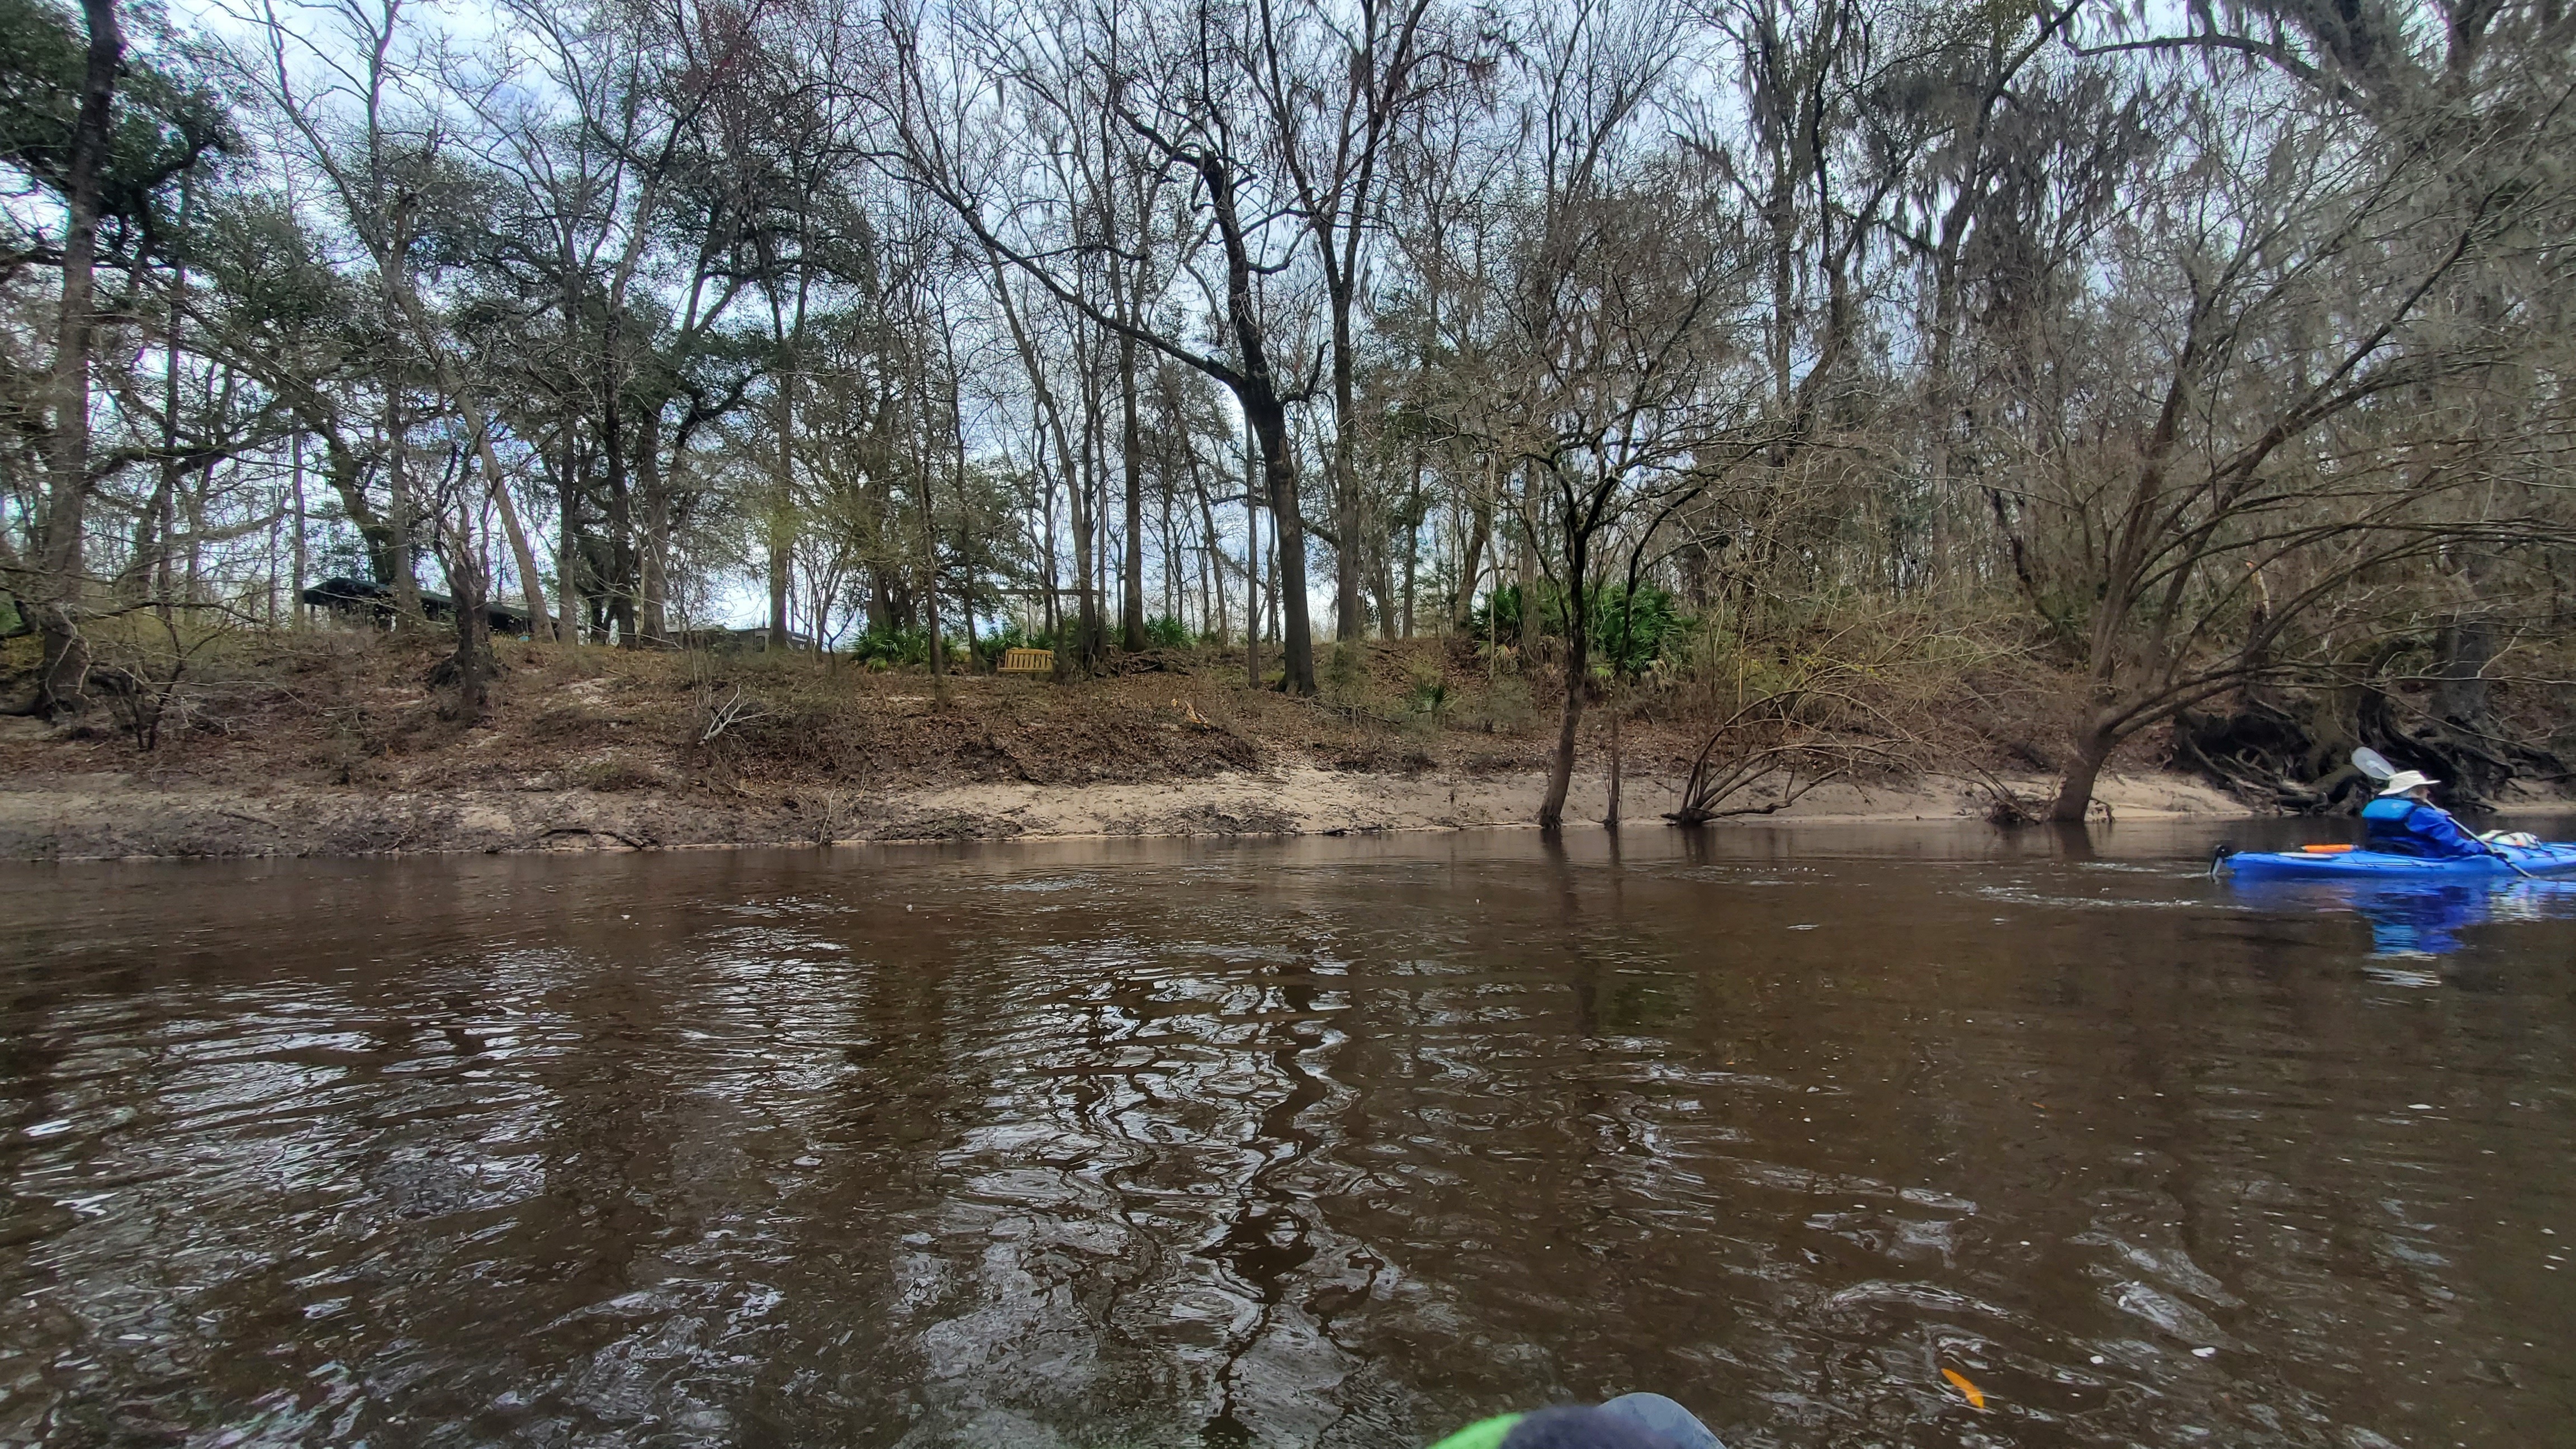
[
  {"x": 735, "y": 709},
  {"x": 1777, "y": 736},
  {"x": 1801, "y": 767},
  {"x": 621, "y": 837},
  {"x": 2004, "y": 806}
]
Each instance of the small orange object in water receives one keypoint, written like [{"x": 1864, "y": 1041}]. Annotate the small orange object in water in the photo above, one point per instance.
[
  {"x": 1976, "y": 1399},
  {"x": 2324, "y": 849}
]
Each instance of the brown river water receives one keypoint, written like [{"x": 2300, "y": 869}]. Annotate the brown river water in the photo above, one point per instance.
[{"x": 1317, "y": 1142}]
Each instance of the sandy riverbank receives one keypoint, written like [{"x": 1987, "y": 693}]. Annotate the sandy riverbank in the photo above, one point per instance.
[
  {"x": 108, "y": 816},
  {"x": 332, "y": 742}
]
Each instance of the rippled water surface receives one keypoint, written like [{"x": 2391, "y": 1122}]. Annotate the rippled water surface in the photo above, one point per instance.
[{"x": 1307, "y": 1143}]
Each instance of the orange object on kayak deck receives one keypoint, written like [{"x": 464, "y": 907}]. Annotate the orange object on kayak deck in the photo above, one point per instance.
[{"x": 2325, "y": 849}]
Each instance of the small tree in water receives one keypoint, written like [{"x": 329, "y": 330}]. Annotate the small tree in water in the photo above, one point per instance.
[{"x": 1613, "y": 334}]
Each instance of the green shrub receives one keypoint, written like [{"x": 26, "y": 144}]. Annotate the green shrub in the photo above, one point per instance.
[
  {"x": 1629, "y": 628},
  {"x": 891, "y": 648},
  {"x": 1628, "y": 631},
  {"x": 1429, "y": 694},
  {"x": 1164, "y": 632}
]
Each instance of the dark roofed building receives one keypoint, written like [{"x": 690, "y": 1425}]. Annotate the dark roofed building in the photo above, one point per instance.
[{"x": 376, "y": 601}]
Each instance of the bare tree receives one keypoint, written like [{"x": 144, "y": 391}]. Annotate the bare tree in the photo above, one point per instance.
[
  {"x": 1180, "y": 96},
  {"x": 50, "y": 585},
  {"x": 1333, "y": 140},
  {"x": 1613, "y": 395},
  {"x": 2282, "y": 294},
  {"x": 380, "y": 169}
]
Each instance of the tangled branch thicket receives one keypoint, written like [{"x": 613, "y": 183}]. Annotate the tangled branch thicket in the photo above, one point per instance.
[{"x": 2216, "y": 360}]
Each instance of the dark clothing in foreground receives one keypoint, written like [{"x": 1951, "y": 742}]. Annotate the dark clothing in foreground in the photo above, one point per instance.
[{"x": 1631, "y": 1421}]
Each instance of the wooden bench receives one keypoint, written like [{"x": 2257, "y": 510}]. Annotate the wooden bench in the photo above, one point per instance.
[{"x": 1027, "y": 661}]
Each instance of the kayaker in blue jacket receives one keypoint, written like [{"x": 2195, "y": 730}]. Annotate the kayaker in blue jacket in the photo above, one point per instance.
[{"x": 2405, "y": 821}]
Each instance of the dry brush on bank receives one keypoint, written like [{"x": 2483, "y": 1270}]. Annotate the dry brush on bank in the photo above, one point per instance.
[{"x": 336, "y": 739}]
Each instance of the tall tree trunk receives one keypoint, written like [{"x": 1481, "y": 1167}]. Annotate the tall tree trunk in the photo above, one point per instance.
[
  {"x": 653, "y": 557},
  {"x": 1054, "y": 599},
  {"x": 1257, "y": 391},
  {"x": 64, "y": 670},
  {"x": 1578, "y": 672},
  {"x": 1938, "y": 408},
  {"x": 568, "y": 543},
  {"x": 1529, "y": 565},
  {"x": 1610, "y": 815},
  {"x": 532, "y": 589},
  {"x": 1279, "y": 469},
  {"x": 1382, "y": 578},
  {"x": 1288, "y": 532},
  {"x": 2462, "y": 650},
  {"x": 468, "y": 580},
  {"x": 398, "y": 511},
  {"x": 930, "y": 585},
  {"x": 159, "y": 521},
  {"x": 1480, "y": 525},
  {"x": 568, "y": 581},
  {"x": 1412, "y": 539},
  {"x": 620, "y": 518},
  {"x": 1048, "y": 423},
  {"x": 1172, "y": 608},
  {"x": 194, "y": 593},
  {"x": 1084, "y": 651},
  {"x": 2075, "y": 787},
  {"x": 966, "y": 517},
  {"x": 779, "y": 562},
  {"x": 1251, "y": 560},
  {"x": 295, "y": 586},
  {"x": 1211, "y": 562},
  {"x": 790, "y": 341},
  {"x": 1131, "y": 449},
  {"x": 1350, "y": 617}
]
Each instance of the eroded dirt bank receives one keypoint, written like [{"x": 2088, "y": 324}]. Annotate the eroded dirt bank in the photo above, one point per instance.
[
  {"x": 107, "y": 816},
  {"x": 332, "y": 743}
]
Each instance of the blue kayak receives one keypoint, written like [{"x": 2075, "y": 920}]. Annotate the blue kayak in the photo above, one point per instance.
[{"x": 2550, "y": 859}]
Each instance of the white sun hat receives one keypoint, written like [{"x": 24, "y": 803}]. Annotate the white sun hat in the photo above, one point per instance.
[{"x": 2405, "y": 780}]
